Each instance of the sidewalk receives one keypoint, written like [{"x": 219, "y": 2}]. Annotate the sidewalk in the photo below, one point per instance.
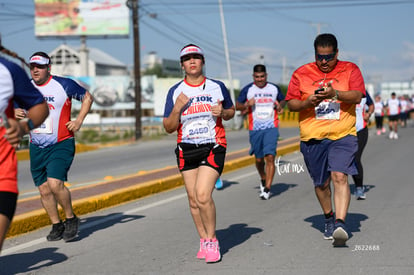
[{"x": 30, "y": 214}]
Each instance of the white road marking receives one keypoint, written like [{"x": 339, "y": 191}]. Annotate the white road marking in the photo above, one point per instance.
[{"x": 95, "y": 223}]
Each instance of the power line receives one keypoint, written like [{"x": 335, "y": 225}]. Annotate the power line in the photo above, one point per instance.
[
  {"x": 287, "y": 4},
  {"x": 165, "y": 25}
]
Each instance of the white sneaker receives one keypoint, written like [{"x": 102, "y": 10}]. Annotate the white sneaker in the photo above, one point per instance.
[
  {"x": 391, "y": 136},
  {"x": 395, "y": 136},
  {"x": 265, "y": 195},
  {"x": 262, "y": 187}
]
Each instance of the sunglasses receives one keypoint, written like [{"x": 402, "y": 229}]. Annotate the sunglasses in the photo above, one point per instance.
[
  {"x": 34, "y": 65},
  {"x": 327, "y": 57},
  {"x": 188, "y": 57}
]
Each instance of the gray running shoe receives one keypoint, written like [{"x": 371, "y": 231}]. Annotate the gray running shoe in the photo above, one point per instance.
[{"x": 340, "y": 236}]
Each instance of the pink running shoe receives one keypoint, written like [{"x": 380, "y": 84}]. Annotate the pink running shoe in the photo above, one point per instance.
[
  {"x": 212, "y": 251},
  {"x": 201, "y": 254}
]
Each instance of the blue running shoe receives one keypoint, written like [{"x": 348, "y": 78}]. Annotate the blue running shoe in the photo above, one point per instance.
[
  {"x": 360, "y": 194},
  {"x": 340, "y": 236},
  {"x": 219, "y": 184},
  {"x": 329, "y": 228}
]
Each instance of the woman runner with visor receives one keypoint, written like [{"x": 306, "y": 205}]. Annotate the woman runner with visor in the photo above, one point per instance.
[{"x": 195, "y": 108}]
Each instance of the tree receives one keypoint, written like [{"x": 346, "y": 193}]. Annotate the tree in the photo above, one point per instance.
[{"x": 156, "y": 70}]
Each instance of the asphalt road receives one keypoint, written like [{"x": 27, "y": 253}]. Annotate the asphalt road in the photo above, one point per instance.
[
  {"x": 113, "y": 162},
  {"x": 155, "y": 235}
]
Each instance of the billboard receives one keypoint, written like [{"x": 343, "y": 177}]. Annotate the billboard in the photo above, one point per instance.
[
  {"x": 81, "y": 17},
  {"x": 116, "y": 92}
]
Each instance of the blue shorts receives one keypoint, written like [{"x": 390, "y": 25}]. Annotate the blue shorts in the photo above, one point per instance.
[
  {"x": 324, "y": 156},
  {"x": 51, "y": 162},
  {"x": 263, "y": 142}
]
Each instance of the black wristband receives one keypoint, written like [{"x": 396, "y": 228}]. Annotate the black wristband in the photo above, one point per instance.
[{"x": 30, "y": 124}]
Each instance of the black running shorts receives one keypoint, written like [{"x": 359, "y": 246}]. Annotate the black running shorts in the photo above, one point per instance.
[{"x": 214, "y": 157}]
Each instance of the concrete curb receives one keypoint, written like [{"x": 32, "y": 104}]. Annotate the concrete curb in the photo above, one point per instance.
[
  {"x": 37, "y": 219},
  {"x": 80, "y": 148}
]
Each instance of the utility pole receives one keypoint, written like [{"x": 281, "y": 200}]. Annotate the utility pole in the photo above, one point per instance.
[
  {"x": 226, "y": 52},
  {"x": 84, "y": 57},
  {"x": 133, "y": 5},
  {"x": 318, "y": 26}
]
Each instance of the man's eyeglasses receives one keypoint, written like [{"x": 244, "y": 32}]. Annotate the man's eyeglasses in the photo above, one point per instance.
[
  {"x": 189, "y": 56},
  {"x": 327, "y": 57},
  {"x": 34, "y": 65}
]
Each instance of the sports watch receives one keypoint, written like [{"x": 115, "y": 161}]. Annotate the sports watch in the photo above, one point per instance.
[{"x": 29, "y": 122}]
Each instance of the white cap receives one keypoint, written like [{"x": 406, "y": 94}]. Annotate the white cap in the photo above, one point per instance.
[
  {"x": 38, "y": 59},
  {"x": 191, "y": 49}
]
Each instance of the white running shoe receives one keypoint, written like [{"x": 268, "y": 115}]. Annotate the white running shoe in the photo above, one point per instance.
[
  {"x": 395, "y": 136},
  {"x": 262, "y": 186},
  {"x": 340, "y": 236},
  {"x": 391, "y": 136},
  {"x": 265, "y": 195}
]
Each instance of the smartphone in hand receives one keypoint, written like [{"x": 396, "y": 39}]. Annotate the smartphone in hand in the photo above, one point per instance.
[{"x": 317, "y": 91}]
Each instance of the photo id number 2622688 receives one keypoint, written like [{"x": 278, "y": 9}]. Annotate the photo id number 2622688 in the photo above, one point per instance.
[{"x": 366, "y": 247}]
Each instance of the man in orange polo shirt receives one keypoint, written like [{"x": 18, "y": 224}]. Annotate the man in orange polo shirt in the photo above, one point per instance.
[{"x": 325, "y": 93}]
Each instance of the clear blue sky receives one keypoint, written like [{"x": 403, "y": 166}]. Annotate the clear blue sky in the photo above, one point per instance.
[{"x": 375, "y": 34}]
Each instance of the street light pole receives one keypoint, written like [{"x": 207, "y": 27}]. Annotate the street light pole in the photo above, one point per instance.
[{"x": 133, "y": 5}]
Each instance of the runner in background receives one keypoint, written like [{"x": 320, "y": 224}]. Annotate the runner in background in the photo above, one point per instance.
[
  {"x": 404, "y": 111},
  {"x": 379, "y": 115},
  {"x": 262, "y": 101},
  {"x": 362, "y": 119},
  {"x": 393, "y": 107},
  {"x": 52, "y": 145}
]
